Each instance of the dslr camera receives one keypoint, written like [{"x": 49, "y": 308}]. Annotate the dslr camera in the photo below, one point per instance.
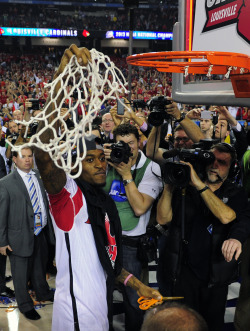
[
  {"x": 178, "y": 174},
  {"x": 138, "y": 103},
  {"x": 35, "y": 104},
  {"x": 33, "y": 127},
  {"x": 14, "y": 137},
  {"x": 120, "y": 152},
  {"x": 157, "y": 110}
]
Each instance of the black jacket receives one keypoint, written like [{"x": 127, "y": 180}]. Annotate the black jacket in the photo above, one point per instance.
[{"x": 198, "y": 240}]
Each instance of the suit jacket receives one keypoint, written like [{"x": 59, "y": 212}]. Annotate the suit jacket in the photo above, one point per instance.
[
  {"x": 2, "y": 167},
  {"x": 17, "y": 215}
]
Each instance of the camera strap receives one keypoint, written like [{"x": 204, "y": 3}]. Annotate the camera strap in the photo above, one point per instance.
[{"x": 136, "y": 164}]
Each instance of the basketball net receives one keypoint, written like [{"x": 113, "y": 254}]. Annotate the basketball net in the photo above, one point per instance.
[{"x": 89, "y": 84}]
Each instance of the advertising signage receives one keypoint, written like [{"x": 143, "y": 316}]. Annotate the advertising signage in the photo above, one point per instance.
[
  {"x": 34, "y": 32},
  {"x": 140, "y": 35}
]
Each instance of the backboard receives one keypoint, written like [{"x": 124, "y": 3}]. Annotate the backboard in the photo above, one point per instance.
[{"x": 211, "y": 25}]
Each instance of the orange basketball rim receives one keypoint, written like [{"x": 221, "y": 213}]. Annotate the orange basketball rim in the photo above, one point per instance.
[{"x": 194, "y": 62}]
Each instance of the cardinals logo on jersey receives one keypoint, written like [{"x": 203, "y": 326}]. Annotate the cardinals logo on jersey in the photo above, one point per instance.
[
  {"x": 111, "y": 248},
  {"x": 225, "y": 12}
]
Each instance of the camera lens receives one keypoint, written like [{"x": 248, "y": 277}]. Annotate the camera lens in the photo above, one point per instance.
[{"x": 177, "y": 174}]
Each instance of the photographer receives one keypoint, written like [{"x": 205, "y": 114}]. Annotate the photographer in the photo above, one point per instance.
[
  {"x": 226, "y": 122},
  {"x": 184, "y": 135},
  {"x": 14, "y": 134},
  {"x": 207, "y": 228},
  {"x": 133, "y": 183}
]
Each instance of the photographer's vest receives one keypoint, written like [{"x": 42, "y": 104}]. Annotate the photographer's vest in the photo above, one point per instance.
[{"x": 128, "y": 219}]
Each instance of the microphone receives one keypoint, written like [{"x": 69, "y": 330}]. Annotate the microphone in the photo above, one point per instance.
[
  {"x": 171, "y": 153},
  {"x": 221, "y": 179}
]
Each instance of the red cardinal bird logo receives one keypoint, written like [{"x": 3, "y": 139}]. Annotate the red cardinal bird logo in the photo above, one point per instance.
[
  {"x": 221, "y": 13},
  {"x": 243, "y": 26},
  {"x": 85, "y": 33},
  {"x": 1, "y": 31}
]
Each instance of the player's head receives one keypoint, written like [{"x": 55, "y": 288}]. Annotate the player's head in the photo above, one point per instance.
[{"x": 94, "y": 164}]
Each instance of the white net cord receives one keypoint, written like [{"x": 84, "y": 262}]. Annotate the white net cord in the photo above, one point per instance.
[{"x": 89, "y": 83}]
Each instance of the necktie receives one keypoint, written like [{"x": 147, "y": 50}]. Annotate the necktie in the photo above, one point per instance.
[{"x": 35, "y": 204}]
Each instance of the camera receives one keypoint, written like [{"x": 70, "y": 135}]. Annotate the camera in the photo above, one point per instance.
[
  {"x": 35, "y": 104},
  {"x": 157, "y": 110},
  {"x": 120, "y": 152},
  {"x": 14, "y": 137},
  {"x": 138, "y": 103},
  {"x": 147, "y": 246},
  {"x": 78, "y": 92},
  {"x": 178, "y": 174},
  {"x": 33, "y": 128}
]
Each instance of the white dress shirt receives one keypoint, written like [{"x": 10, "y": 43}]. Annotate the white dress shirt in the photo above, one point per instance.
[{"x": 38, "y": 190}]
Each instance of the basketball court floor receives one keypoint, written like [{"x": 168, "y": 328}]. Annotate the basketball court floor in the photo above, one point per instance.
[{"x": 12, "y": 320}]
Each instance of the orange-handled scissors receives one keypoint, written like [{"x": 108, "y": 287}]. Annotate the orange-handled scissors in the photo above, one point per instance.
[{"x": 146, "y": 303}]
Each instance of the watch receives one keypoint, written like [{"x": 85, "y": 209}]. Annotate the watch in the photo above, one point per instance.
[
  {"x": 127, "y": 181},
  {"x": 183, "y": 115}
]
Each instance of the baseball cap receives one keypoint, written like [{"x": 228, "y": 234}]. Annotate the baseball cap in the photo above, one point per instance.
[{"x": 92, "y": 142}]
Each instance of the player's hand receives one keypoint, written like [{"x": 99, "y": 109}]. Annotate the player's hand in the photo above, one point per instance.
[
  {"x": 231, "y": 247},
  {"x": 148, "y": 292},
  {"x": 82, "y": 54}
]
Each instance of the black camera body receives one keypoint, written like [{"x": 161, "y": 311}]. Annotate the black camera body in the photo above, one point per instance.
[
  {"x": 157, "y": 110},
  {"x": 14, "y": 137},
  {"x": 120, "y": 152},
  {"x": 78, "y": 93},
  {"x": 35, "y": 104},
  {"x": 138, "y": 103},
  {"x": 178, "y": 174},
  {"x": 33, "y": 127}
]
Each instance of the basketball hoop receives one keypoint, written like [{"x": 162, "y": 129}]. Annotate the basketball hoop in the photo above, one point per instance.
[{"x": 194, "y": 62}]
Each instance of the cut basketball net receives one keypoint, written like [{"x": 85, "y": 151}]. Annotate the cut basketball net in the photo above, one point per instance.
[{"x": 89, "y": 83}]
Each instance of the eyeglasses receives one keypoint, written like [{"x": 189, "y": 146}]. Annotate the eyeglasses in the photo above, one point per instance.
[
  {"x": 105, "y": 121},
  {"x": 178, "y": 139}
]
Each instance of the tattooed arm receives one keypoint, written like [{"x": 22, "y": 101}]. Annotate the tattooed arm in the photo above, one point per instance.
[
  {"x": 54, "y": 178},
  {"x": 134, "y": 283}
]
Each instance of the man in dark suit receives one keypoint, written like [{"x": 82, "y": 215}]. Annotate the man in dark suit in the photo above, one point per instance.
[
  {"x": 4, "y": 290},
  {"x": 25, "y": 225}
]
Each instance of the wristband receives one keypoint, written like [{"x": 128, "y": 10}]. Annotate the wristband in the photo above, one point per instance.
[
  {"x": 127, "y": 279},
  {"x": 203, "y": 189}
]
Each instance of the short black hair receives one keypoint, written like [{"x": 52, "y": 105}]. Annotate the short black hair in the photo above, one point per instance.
[{"x": 126, "y": 129}]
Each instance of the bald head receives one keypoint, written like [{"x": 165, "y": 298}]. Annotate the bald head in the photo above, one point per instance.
[
  {"x": 174, "y": 317},
  {"x": 18, "y": 115}
]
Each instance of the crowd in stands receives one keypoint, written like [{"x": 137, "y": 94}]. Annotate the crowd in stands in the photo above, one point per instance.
[
  {"x": 28, "y": 16},
  {"x": 23, "y": 78}
]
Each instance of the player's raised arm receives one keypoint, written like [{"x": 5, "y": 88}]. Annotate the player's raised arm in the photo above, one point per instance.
[{"x": 54, "y": 178}]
